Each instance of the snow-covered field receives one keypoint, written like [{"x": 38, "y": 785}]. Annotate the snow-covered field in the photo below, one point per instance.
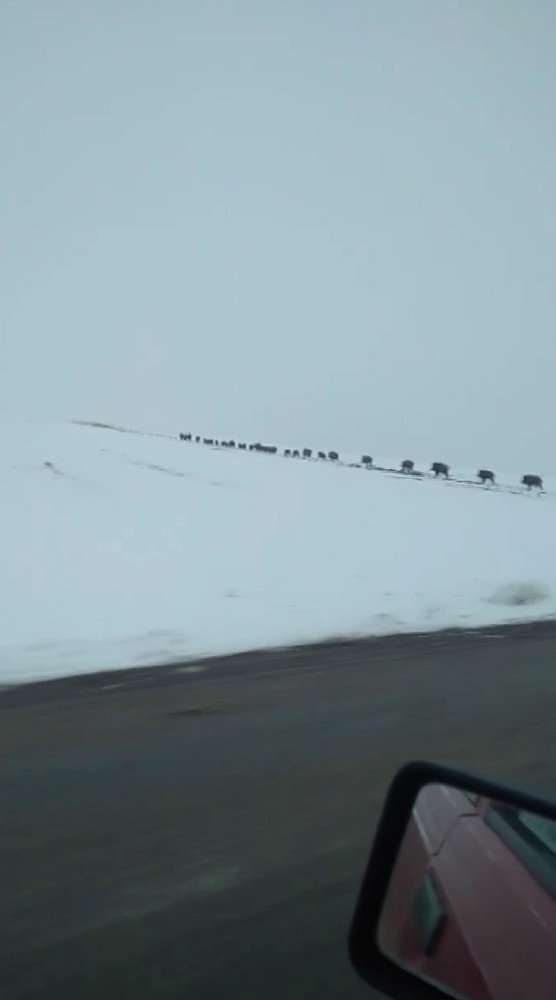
[{"x": 125, "y": 549}]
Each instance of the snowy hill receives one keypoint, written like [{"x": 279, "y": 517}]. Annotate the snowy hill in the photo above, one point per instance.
[{"x": 122, "y": 549}]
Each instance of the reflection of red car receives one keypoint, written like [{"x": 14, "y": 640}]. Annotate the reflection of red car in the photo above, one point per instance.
[{"x": 472, "y": 901}]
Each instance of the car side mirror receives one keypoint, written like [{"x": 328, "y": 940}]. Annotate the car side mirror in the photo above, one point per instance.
[{"x": 459, "y": 895}]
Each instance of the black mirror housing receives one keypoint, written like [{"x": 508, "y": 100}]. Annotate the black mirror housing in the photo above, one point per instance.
[{"x": 370, "y": 962}]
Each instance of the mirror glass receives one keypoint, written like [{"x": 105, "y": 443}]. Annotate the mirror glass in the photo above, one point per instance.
[{"x": 471, "y": 905}]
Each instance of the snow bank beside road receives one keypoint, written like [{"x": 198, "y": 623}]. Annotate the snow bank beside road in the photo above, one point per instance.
[{"x": 123, "y": 549}]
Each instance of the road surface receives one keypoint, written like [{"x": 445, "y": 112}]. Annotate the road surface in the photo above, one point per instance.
[{"x": 199, "y": 830}]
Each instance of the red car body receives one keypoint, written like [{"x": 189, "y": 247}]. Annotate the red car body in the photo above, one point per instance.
[{"x": 472, "y": 901}]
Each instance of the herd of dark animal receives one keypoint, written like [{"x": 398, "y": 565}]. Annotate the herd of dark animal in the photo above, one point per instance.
[
  {"x": 440, "y": 469},
  {"x": 269, "y": 449}
]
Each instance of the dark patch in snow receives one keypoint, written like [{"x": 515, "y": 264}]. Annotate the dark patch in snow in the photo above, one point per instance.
[
  {"x": 56, "y": 471},
  {"x": 160, "y": 468},
  {"x": 517, "y": 594},
  {"x": 41, "y": 647}
]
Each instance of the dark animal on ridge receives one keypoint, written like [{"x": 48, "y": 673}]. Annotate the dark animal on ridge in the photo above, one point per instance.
[
  {"x": 530, "y": 481},
  {"x": 440, "y": 469},
  {"x": 486, "y": 476}
]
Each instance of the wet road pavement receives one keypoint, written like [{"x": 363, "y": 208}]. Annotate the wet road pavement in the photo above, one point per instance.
[{"x": 199, "y": 830}]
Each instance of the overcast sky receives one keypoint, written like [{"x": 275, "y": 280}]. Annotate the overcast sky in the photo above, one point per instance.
[{"x": 313, "y": 222}]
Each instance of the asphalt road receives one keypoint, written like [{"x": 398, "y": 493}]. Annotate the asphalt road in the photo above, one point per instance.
[{"x": 200, "y": 830}]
